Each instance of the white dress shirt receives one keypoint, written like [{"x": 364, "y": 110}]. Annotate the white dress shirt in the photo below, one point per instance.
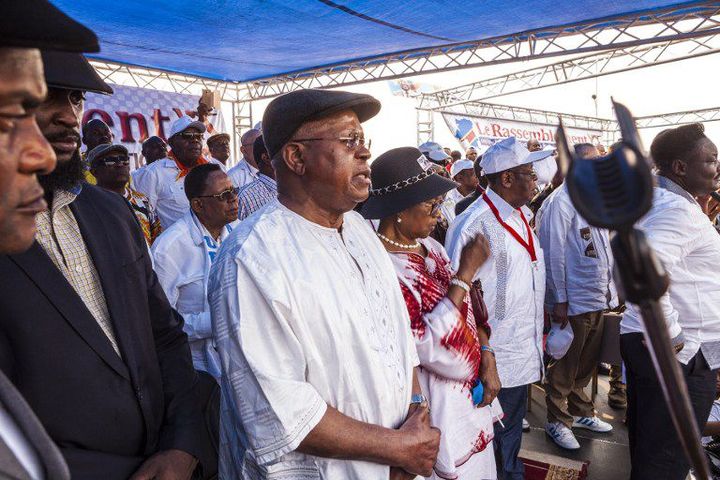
[
  {"x": 448, "y": 206},
  {"x": 578, "y": 257},
  {"x": 182, "y": 257},
  {"x": 242, "y": 173},
  {"x": 222, "y": 165},
  {"x": 688, "y": 245},
  {"x": 514, "y": 286},
  {"x": 305, "y": 316},
  {"x": 162, "y": 184}
]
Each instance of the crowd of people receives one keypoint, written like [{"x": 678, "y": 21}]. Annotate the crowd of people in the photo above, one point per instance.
[{"x": 309, "y": 313}]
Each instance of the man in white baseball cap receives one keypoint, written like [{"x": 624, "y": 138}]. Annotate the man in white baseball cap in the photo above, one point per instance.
[
  {"x": 163, "y": 181},
  {"x": 463, "y": 174},
  {"x": 514, "y": 281}
]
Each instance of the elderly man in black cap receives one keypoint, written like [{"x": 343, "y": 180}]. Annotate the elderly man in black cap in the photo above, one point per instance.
[
  {"x": 110, "y": 165},
  {"x": 309, "y": 321},
  {"x": 219, "y": 147},
  {"x": 153, "y": 149},
  {"x": 122, "y": 400},
  {"x": 26, "y": 450}
]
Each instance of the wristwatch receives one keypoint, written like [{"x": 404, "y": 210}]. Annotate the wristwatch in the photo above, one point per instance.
[{"x": 419, "y": 398}]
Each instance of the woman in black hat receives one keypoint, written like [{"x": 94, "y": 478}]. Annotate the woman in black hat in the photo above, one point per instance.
[{"x": 452, "y": 342}]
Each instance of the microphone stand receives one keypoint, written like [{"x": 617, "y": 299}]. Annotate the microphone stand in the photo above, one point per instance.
[
  {"x": 644, "y": 281},
  {"x": 614, "y": 192}
]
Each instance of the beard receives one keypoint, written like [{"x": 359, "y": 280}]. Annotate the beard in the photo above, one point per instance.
[{"x": 66, "y": 175}]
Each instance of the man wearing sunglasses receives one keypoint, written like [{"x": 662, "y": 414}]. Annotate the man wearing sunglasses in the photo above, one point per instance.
[
  {"x": 110, "y": 165},
  {"x": 162, "y": 182},
  {"x": 184, "y": 252}
]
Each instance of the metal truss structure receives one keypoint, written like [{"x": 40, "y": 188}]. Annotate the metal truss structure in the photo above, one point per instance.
[
  {"x": 704, "y": 115},
  {"x": 666, "y": 25},
  {"x": 573, "y": 70}
]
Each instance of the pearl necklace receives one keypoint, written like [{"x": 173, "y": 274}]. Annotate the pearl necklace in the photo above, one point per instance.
[{"x": 398, "y": 244}]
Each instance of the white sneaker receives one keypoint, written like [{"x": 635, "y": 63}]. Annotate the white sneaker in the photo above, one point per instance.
[
  {"x": 592, "y": 423},
  {"x": 526, "y": 426},
  {"x": 562, "y": 435}
]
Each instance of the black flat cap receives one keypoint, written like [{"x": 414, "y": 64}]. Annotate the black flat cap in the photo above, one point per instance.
[
  {"x": 72, "y": 71},
  {"x": 104, "y": 149},
  {"x": 38, "y": 24},
  {"x": 284, "y": 115},
  {"x": 402, "y": 177}
]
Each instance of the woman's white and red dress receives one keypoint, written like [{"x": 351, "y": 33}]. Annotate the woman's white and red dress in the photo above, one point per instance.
[{"x": 449, "y": 352}]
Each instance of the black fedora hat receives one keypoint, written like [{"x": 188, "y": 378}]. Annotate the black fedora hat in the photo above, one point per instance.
[
  {"x": 39, "y": 24},
  {"x": 402, "y": 177},
  {"x": 72, "y": 71}
]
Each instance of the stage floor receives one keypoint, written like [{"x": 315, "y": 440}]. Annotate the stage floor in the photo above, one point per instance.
[{"x": 606, "y": 452}]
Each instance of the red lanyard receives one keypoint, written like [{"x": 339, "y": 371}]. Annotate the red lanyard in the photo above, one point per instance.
[{"x": 530, "y": 247}]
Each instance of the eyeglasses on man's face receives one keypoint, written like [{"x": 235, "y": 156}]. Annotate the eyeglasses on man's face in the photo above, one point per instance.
[
  {"x": 352, "y": 141},
  {"x": 115, "y": 161},
  {"x": 225, "y": 196}
]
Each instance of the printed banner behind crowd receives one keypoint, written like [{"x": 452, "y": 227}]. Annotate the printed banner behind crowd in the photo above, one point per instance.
[
  {"x": 483, "y": 132},
  {"x": 134, "y": 114}
]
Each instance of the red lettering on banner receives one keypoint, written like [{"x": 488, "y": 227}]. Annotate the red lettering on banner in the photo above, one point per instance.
[
  {"x": 126, "y": 127},
  {"x": 159, "y": 121},
  {"x": 495, "y": 130},
  {"x": 93, "y": 112}
]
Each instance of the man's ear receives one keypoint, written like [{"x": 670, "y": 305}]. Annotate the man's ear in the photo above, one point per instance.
[
  {"x": 292, "y": 154},
  {"x": 196, "y": 205},
  {"x": 506, "y": 179}
]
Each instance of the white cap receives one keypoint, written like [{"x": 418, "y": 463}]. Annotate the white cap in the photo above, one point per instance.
[
  {"x": 459, "y": 166},
  {"x": 183, "y": 123},
  {"x": 509, "y": 153},
  {"x": 437, "y": 155},
  {"x": 559, "y": 340},
  {"x": 429, "y": 147}
]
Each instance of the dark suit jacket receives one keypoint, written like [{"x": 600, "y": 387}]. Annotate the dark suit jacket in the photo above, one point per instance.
[
  {"x": 105, "y": 413},
  {"x": 462, "y": 205},
  {"x": 48, "y": 454}
]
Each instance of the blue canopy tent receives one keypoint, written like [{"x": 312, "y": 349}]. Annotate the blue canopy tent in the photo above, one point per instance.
[{"x": 246, "y": 40}]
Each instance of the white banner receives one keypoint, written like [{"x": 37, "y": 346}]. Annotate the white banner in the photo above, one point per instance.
[
  {"x": 483, "y": 132},
  {"x": 134, "y": 114}
]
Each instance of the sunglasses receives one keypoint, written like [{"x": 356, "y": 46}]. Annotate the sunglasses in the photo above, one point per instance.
[
  {"x": 115, "y": 161},
  {"x": 225, "y": 196},
  {"x": 190, "y": 136}
]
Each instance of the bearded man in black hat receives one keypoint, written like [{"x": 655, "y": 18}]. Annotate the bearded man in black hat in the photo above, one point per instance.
[
  {"x": 318, "y": 359},
  {"x": 104, "y": 362}
]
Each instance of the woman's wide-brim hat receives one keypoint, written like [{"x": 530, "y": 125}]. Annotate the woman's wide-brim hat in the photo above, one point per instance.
[{"x": 401, "y": 178}]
